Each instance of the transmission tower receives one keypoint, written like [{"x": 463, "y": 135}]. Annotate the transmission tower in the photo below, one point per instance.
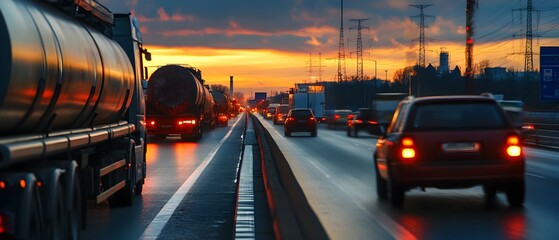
[
  {"x": 359, "y": 46},
  {"x": 341, "y": 49},
  {"x": 312, "y": 65},
  {"x": 421, "y": 32},
  {"x": 528, "y": 52}
]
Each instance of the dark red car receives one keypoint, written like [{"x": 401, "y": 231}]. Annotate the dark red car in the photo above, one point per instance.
[
  {"x": 300, "y": 120},
  {"x": 450, "y": 142}
]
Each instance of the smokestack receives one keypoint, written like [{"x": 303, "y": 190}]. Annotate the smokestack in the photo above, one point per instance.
[{"x": 231, "y": 86}]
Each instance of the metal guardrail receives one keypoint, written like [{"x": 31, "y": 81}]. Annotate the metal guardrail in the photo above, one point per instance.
[{"x": 543, "y": 131}]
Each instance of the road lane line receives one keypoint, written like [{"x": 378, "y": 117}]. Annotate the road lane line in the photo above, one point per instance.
[
  {"x": 157, "y": 224},
  {"x": 386, "y": 222},
  {"x": 535, "y": 175}
]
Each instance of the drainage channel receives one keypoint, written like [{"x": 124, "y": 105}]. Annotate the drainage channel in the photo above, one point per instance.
[{"x": 252, "y": 219}]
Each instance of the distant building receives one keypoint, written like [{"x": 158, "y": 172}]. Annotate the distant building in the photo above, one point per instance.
[
  {"x": 496, "y": 73},
  {"x": 443, "y": 63}
]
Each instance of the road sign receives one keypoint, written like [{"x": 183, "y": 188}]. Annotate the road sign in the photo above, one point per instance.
[{"x": 549, "y": 73}]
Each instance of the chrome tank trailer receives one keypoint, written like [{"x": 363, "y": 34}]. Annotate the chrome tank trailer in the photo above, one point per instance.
[{"x": 58, "y": 73}]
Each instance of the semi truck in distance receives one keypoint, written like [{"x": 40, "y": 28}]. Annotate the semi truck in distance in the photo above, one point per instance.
[
  {"x": 72, "y": 115},
  {"x": 178, "y": 102},
  {"x": 222, "y": 108}
]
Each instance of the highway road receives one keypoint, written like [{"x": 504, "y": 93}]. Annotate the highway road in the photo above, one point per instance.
[
  {"x": 189, "y": 193},
  {"x": 337, "y": 175},
  {"x": 193, "y": 184}
]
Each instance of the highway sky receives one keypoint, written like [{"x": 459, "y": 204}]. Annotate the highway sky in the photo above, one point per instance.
[{"x": 266, "y": 44}]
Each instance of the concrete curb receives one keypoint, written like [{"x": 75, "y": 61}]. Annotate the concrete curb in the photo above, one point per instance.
[{"x": 292, "y": 215}]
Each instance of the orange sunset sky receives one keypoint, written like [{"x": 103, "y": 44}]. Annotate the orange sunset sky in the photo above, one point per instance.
[{"x": 266, "y": 45}]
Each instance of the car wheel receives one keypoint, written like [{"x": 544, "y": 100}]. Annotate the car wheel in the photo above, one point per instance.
[
  {"x": 515, "y": 193},
  {"x": 382, "y": 189},
  {"x": 489, "y": 194},
  {"x": 395, "y": 192},
  {"x": 314, "y": 133},
  {"x": 287, "y": 133}
]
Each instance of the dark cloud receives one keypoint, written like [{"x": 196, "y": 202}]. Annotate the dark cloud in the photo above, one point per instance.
[{"x": 287, "y": 24}]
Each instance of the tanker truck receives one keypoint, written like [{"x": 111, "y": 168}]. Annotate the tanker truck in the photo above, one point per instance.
[
  {"x": 178, "y": 103},
  {"x": 72, "y": 115},
  {"x": 222, "y": 108}
]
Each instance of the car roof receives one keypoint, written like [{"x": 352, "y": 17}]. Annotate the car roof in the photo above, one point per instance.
[
  {"x": 452, "y": 98},
  {"x": 300, "y": 109}
]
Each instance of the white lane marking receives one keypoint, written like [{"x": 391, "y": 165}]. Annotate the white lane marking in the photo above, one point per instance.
[
  {"x": 386, "y": 222},
  {"x": 244, "y": 228},
  {"x": 535, "y": 175},
  {"x": 157, "y": 224}
]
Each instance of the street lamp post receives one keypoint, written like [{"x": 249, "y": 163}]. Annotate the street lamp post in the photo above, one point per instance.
[{"x": 386, "y": 71}]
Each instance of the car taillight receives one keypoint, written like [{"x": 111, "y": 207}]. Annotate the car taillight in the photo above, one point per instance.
[
  {"x": 311, "y": 118},
  {"x": 358, "y": 121},
  {"x": 408, "y": 151},
  {"x": 187, "y": 122},
  {"x": 336, "y": 116},
  {"x": 513, "y": 146},
  {"x": 4, "y": 224},
  {"x": 152, "y": 123}
]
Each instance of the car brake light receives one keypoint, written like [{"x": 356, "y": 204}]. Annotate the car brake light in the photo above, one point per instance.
[
  {"x": 152, "y": 123},
  {"x": 290, "y": 119},
  {"x": 2, "y": 185},
  {"x": 358, "y": 121},
  {"x": 311, "y": 118},
  {"x": 513, "y": 148},
  {"x": 408, "y": 152},
  {"x": 336, "y": 116},
  {"x": 4, "y": 226}
]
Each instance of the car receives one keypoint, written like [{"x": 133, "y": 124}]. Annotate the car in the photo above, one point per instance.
[
  {"x": 363, "y": 119},
  {"x": 339, "y": 118},
  {"x": 450, "y": 142},
  {"x": 281, "y": 113},
  {"x": 270, "y": 112},
  {"x": 300, "y": 120}
]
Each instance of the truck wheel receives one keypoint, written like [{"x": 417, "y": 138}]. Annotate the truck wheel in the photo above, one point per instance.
[
  {"x": 75, "y": 220},
  {"x": 30, "y": 224},
  {"x": 515, "y": 193},
  {"x": 72, "y": 199},
  {"x": 52, "y": 202}
]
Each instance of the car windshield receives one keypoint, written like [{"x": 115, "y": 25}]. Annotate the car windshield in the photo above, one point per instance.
[
  {"x": 457, "y": 116},
  {"x": 366, "y": 115},
  {"x": 301, "y": 113},
  {"x": 283, "y": 109}
]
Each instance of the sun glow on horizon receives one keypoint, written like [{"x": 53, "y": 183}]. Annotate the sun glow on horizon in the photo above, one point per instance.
[{"x": 273, "y": 70}]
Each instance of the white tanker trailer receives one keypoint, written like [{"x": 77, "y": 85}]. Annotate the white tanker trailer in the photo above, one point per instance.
[{"x": 72, "y": 114}]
